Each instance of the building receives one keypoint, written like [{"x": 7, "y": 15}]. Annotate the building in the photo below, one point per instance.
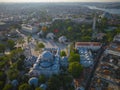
[
  {"x": 88, "y": 45},
  {"x": 117, "y": 38},
  {"x": 50, "y": 36},
  {"x": 114, "y": 47},
  {"x": 82, "y": 20},
  {"x": 62, "y": 39},
  {"x": 64, "y": 62},
  {"x": 47, "y": 64},
  {"x": 33, "y": 81},
  {"x": 28, "y": 29},
  {"x": 106, "y": 15},
  {"x": 86, "y": 57},
  {"x": 84, "y": 48}
]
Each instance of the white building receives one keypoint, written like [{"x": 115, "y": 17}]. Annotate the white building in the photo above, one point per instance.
[
  {"x": 88, "y": 45},
  {"x": 46, "y": 64},
  {"x": 50, "y": 36},
  {"x": 62, "y": 39},
  {"x": 117, "y": 38},
  {"x": 29, "y": 29},
  {"x": 86, "y": 58}
]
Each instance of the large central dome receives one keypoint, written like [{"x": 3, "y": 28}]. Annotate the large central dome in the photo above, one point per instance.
[
  {"x": 46, "y": 59},
  {"x": 47, "y": 55}
]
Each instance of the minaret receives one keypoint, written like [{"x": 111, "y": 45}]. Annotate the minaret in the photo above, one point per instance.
[
  {"x": 94, "y": 27},
  {"x": 58, "y": 52}
]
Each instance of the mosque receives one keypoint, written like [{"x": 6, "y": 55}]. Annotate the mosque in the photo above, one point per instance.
[{"x": 48, "y": 63}]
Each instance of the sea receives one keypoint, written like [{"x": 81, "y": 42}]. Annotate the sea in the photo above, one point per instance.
[{"x": 112, "y": 11}]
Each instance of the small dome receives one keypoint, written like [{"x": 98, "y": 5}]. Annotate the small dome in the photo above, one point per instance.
[
  {"x": 64, "y": 59},
  {"x": 43, "y": 86},
  {"x": 50, "y": 36},
  {"x": 46, "y": 55},
  {"x": 62, "y": 39},
  {"x": 106, "y": 15},
  {"x": 14, "y": 83},
  {"x": 33, "y": 81}
]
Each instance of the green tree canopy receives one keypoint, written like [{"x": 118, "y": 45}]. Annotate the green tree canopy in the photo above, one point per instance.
[
  {"x": 2, "y": 48},
  {"x": 4, "y": 61},
  {"x": 13, "y": 74},
  {"x": 39, "y": 46},
  {"x": 75, "y": 69},
  {"x": 15, "y": 54},
  {"x": 54, "y": 83},
  {"x": 25, "y": 86},
  {"x": 42, "y": 79},
  {"x": 69, "y": 28},
  {"x": 8, "y": 87},
  {"x": 66, "y": 81},
  {"x": 74, "y": 58},
  {"x": 1, "y": 85},
  {"x": 38, "y": 88},
  {"x": 10, "y": 44},
  {"x": 2, "y": 76},
  {"x": 62, "y": 53}
]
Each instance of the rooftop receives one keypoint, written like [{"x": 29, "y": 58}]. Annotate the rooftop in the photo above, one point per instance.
[{"x": 88, "y": 44}]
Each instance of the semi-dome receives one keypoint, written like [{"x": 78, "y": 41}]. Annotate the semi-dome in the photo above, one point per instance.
[
  {"x": 64, "y": 58},
  {"x": 47, "y": 55},
  {"x": 33, "y": 81},
  {"x": 14, "y": 83},
  {"x": 43, "y": 86},
  {"x": 62, "y": 39}
]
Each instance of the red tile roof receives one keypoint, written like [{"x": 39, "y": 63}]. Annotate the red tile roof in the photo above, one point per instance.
[{"x": 87, "y": 44}]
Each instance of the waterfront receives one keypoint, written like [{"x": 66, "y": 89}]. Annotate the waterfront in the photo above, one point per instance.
[{"x": 112, "y": 11}]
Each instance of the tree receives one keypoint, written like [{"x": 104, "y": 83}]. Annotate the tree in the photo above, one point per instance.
[
  {"x": 69, "y": 28},
  {"x": 42, "y": 79},
  {"x": 2, "y": 76},
  {"x": 66, "y": 81},
  {"x": 21, "y": 41},
  {"x": 38, "y": 88},
  {"x": 39, "y": 46},
  {"x": 62, "y": 53},
  {"x": 25, "y": 86},
  {"x": 10, "y": 44},
  {"x": 2, "y": 48},
  {"x": 75, "y": 69},
  {"x": 54, "y": 83},
  {"x": 86, "y": 38},
  {"x": 1, "y": 85},
  {"x": 103, "y": 23},
  {"x": 74, "y": 58},
  {"x": 15, "y": 54},
  {"x": 20, "y": 64},
  {"x": 4, "y": 61},
  {"x": 8, "y": 87},
  {"x": 13, "y": 74}
]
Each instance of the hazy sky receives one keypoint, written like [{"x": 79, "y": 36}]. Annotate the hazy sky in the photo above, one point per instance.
[{"x": 59, "y": 0}]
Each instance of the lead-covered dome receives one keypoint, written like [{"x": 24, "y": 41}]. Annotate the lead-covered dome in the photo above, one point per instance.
[{"x": 46, "y": 55}]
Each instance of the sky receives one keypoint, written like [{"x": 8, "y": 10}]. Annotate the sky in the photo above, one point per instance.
[{"x": 59, "y": 0}]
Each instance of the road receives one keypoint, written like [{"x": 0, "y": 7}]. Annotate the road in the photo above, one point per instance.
[{"x": 97, "y": 59}]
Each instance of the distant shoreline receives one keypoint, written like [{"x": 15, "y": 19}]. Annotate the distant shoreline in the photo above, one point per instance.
[{"x": 62, "y": 2}]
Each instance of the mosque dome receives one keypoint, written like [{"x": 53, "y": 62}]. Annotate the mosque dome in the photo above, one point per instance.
[
  {"x": 43, "y": 86},
  {"x": 47, "y": 55},
  {"x": 14, "y": 83},
  {"x": 33, "y": 81}
]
